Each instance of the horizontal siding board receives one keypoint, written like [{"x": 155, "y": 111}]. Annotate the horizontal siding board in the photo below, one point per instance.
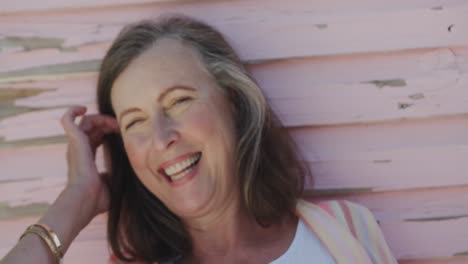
[
  {"x": 415, "y": 205},
  {"x": 319, "y": 5},
  {"x": 22, "y": 6},
  {"x": 427, "y": 239},
  {"x": 301, "y": 24},
  {"x": 392, "y": 170}
]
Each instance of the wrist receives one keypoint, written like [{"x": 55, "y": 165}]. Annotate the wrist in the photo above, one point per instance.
[
  {"x": 80, "y": 200},
  {"x": 68, "y": 215}
]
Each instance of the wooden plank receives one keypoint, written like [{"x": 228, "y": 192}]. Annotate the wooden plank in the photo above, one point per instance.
[
  {"x": 415, "y": 205},
  {"x": 34, "y": 6},
  {"x": 414, "y": 240},
  {"x": 319, "y": 5},
  {"x": 311, "y": 30},
  {"x": 395, "y": 155}
]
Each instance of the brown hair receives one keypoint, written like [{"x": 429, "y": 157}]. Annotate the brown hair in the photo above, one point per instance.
[{"x": 270, "y": 168}]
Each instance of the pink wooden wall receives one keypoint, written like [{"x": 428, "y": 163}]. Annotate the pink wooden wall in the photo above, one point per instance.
[{"x": 375, "y": 92}]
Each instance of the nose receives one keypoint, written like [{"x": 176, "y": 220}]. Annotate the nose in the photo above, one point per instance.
[{"x": 165, "y": 133}]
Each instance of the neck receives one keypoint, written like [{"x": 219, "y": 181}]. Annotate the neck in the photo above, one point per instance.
[{"x": 232, "y": 234}]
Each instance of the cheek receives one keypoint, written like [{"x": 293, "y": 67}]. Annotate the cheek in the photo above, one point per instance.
[
  {"x": 202, "y": 124},
  {"x": 136, "y": 149},
  {"x": 212, "y": 127}
]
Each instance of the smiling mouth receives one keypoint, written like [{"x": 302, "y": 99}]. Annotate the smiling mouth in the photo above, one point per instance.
[{"x": 178, "y": 171}]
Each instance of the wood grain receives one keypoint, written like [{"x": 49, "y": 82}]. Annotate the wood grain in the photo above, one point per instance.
[{"x": 306, "y": 30}]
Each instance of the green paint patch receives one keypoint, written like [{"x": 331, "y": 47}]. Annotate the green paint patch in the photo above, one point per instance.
[
  {"x": 8, "y": 97},
  {"x": 440, "y": 218},
  {"x": 460, "y": 254},
  {"x": 34, "y": 73},
  {"x": 34, "y": 209},
  {"x": 33, "y": 141},
  {"x": 332, "y": 192},
  {"x": 35, "y": 43},
  {"x": 388, "y": 83}
]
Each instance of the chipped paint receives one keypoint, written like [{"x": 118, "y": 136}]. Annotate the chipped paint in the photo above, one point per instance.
[
  {"x": 404, "y": 105},
  {"x": 60, "y": 139},
  {"x": 437, "y": 8},
  {"x": 8, "y": 96},
  {"x": 20, "y": 180},
  {"x": 441, "y": 218},
  {"x": 34, "y": 43},
  {"x": 417, "y": 96},
  {"x": 450, "y": 28},
  {"x": 34, "y": 73},
  {"x": 322, "y": 26},
  {"x": 382, "y": 161},
  {"x": 33, "y": 209},
  {"x": 388, "y": 83}
]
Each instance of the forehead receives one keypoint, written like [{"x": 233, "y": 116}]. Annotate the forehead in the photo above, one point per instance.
[{"x": 166, "y": 64}]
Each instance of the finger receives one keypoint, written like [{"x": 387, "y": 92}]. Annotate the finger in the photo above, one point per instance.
[
  {"x": 104, "y": 123},
  {"x": 96, "y": 127},
  {"x": 68, "y": 119}
]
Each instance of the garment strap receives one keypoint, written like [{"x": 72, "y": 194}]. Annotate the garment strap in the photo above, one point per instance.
[{"x": 340, "y": 243}]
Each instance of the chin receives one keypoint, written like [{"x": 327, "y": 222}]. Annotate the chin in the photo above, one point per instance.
[{"x": 188, "y": 209}]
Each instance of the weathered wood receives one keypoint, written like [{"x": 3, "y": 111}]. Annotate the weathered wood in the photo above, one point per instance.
[
  {"x": 391, "y": 61},
  {"x": 305, "y": 29},
  {"x": 22, "y": 6},
  {"x": 319, "y": 5}
]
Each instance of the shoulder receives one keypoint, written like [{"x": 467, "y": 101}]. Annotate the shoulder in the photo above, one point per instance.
[
  {"x": 359, "y": 221},
  {"x": 355, "y": 217}
]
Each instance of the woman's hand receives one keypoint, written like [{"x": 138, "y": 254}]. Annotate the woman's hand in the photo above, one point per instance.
[{"x": 83, "y": 140}]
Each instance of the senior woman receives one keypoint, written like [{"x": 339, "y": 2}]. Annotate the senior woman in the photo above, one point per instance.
[{"x": 200, "y": 169}]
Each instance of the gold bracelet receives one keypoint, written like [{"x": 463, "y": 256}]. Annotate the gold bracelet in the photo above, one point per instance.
[
  {"x": 52, "y": 236},
  {"x": 34, "y": 229}
]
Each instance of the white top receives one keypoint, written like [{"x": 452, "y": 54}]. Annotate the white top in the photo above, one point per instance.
[{"x": 305, "y": 248}]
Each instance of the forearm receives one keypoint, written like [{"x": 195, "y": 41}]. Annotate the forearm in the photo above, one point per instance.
[{"x": 66, "y": 217}]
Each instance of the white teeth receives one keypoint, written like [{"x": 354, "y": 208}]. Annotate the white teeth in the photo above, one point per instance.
[
  {"x": 175, "y": 171},
  {"x": 180, "y": 175}
]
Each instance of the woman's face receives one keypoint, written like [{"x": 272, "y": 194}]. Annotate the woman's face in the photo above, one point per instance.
[{"x": 177, "y": 129}]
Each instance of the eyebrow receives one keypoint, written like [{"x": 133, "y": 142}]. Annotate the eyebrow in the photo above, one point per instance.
[{"x": 160, "y": 98}]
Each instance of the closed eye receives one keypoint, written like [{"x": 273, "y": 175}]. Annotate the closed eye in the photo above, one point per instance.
[
  {"x": 133, "y": 122},
  {"x": 181, "y": 100}
]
